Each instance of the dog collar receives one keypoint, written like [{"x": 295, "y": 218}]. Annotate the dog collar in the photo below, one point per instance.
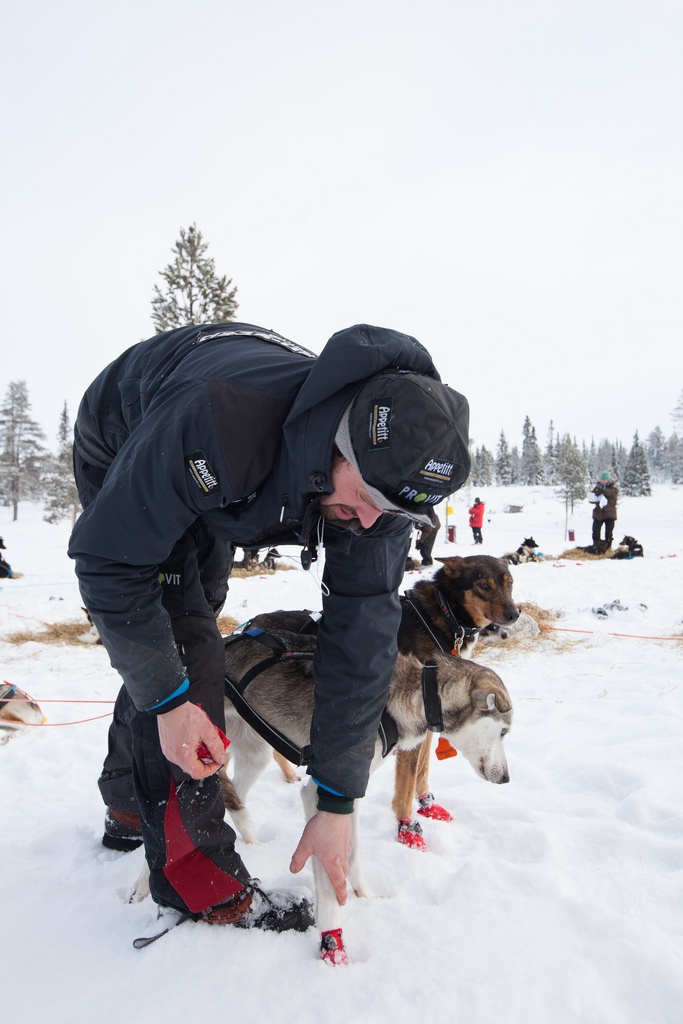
[
  {"x": 461, "y": 633},
  {"x": 443, "y": 641}
]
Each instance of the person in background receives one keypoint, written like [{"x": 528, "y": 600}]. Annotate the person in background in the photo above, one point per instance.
[
  {"x": 476, "y": 520},
  {"x": 425, "y": 542},
  {"x": 604, "y": 508},
  {"x": 5, "y": 567}
]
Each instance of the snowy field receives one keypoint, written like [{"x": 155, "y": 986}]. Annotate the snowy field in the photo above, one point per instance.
[{"x": 556, "y": 899}]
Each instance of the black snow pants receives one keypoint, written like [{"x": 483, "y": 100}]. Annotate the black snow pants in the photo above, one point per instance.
[
  {"x": 189, "y": 847},
  {"x": 609, "y": 530}
]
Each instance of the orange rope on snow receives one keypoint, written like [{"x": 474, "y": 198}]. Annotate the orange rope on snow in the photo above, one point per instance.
[
  {"x": 631, "y": 636},
  {"x": 44, "y": 725},
  {"x": 31, "y": 700}
]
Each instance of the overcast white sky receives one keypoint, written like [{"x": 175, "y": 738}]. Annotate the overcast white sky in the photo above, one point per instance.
[{"x": 500, "y": 178}]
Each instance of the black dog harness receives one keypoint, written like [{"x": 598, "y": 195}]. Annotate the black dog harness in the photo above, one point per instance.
[
  {"x": 461, "y": 634},
  {"x": 234, "y": 690}
]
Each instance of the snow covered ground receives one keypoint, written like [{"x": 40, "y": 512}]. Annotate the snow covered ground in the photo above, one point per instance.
[{"x": 556, "y": 898}]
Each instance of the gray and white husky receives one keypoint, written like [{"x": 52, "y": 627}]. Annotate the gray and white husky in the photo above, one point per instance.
[{"x": 475, "y": 708}]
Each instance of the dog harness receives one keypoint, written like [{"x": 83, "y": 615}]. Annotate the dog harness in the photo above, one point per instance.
[
  {"x": 235, "y": 691},
  {"x": 430, "y": 694},
  {"x": 7, "y": 692},
  {"x": 461, "y": 634}
]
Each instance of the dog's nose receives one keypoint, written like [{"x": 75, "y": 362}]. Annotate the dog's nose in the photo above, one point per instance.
[{"x": 512, "y": 615}]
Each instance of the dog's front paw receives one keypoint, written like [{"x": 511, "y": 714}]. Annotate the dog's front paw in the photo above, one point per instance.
[
  {"x": 332, "y": 949},
  {"x": 430, "y": 809},
  {"x": 141, "y": 888},
  {"x": 410, "y": 834}
]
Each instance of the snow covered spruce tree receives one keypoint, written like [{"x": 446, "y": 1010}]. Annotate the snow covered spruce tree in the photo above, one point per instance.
[
  {"x": 22, "y": 456},
  {"x": 503, "y": 462},
  {"x": 550, "y": 455},
  {"x": 485, "y": 460},
  {"x": 531, "y": 470},
  {"x": 571, "y": 474},
  {"x": 59, "y": 486},
  {"x": 655, "y": 450},
  {"x": 515, "y": 466},
  {"x": 636, "y": 478},
  {"x": 677, "y": 414},
  {"x": 194, "y": 294},
  {"x": 673, "y": 459}
]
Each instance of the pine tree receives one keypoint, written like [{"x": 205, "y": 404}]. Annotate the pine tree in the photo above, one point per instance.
[
  {"x": 674, "y": 459},
  {"x": 193, "y": 294},
  {"x": 572, "y": 473},
  {"x": 474, "y": 466},
  {"x": 636, "y": 478},
  {"x": 550, "y": 456},
  {"x": 61, "y": 495},
  {"x": 677, "y": 414},
  {"x": 592, "y": 461},
  {"x": 531, "y": 470},
  {"x": 515, "y": 465},
  {"x": 503, "y": 463},
  {"x": 655, "y": 449},
  {"x": 485, "y": 467},
  {"x": 619, "y": 460},
  {"x": 21, "y": 454}
]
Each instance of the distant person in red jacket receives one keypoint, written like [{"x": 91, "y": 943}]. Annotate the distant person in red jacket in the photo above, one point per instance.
[{"x": 476, "y": 519}]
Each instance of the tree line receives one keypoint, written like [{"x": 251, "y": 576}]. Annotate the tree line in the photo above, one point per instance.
[
  {"x": 563, "y": 462},
  {"x": 193, "y": 293},
  {"x": 31, "y": 472}
]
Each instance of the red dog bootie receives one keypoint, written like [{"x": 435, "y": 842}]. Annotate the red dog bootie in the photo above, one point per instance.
[
  {"x": 332, "y": 948},
  {"x": 430, "y": 809},
  {"x": 410, "y": 834}
]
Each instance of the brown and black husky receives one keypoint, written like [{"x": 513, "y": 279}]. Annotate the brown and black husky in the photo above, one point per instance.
[{"x": 441, "y": 614}]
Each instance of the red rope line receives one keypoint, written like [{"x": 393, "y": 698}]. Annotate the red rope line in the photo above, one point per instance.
[
  {"x": 30, "y": 700},
  {"x": 44, "y": 725},
  {"x": 632, "y": 636}
]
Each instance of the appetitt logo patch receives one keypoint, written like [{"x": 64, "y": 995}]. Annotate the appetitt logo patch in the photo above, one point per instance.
[
  {"x": 380, "y": 424},
  {"x": 437, "y": 469},
  {"x": 201, "y": 472}
]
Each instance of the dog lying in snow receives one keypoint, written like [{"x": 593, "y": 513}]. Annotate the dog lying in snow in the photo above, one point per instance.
[
  {"x": 17, "y": 711},
  {"x": 524, "y": 553},
  {"x": 629, "y": 548}
]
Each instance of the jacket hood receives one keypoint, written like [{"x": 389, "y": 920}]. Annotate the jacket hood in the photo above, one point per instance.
[{"x": 348, "y": 359}]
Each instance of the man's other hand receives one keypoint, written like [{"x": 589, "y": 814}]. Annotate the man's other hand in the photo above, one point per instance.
[{"x": 328, "y": 837}]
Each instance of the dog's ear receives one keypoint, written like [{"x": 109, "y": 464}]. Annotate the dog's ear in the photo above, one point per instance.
[
  {"x": 452, "y": 566},
  {"x": 491, "y": 700}
]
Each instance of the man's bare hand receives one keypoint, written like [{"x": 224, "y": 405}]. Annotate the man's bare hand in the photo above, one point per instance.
[
  {"x": 327, "y": 837},
  {"x": 181, "y": 733}
]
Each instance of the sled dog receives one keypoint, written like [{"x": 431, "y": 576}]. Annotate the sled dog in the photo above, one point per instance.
[
  {"x": 472, "y": 702},
  {"x": 524, "y": 553},
  {"x": 445, "y": 613}
]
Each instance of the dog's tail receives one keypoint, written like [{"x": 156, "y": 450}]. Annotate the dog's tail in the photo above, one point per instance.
[{"x": 230, "y": 797}]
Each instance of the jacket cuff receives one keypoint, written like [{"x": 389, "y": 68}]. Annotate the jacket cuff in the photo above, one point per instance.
[
  {"x": 334, "y": 803},
  {"x": 174, "y": 700}
]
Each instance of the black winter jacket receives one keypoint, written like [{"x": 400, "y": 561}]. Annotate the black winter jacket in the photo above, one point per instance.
[{"x": 235, "y": 424}]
